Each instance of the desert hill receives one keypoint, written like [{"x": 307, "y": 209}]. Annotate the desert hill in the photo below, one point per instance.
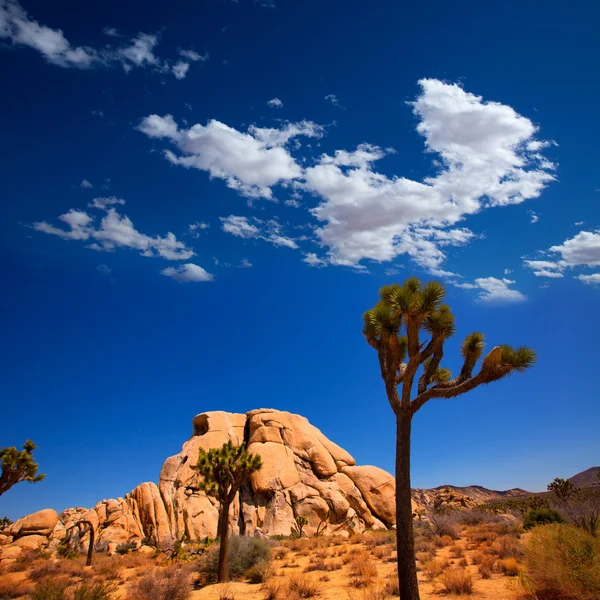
[{"x": 587, "y": 478}]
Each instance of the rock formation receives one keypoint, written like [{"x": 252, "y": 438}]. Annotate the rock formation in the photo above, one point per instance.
[{"x": 303, "y": 474}]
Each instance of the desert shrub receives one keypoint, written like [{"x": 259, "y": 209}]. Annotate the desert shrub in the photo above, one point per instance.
[
  {"x": 244, "y": 553},
  {"x": 165, "y": 584},
  {"x": 444, "y": 523},
  {"x": 304, "y": 586},
  {"x": 272, "y": 589},
  {"x": 391, "y": 586},
  {"x": 424, "y": 557},
  {"x": 445, "y": 540},
  {"x": 434, "y": 568},
  {"x": 45, "y": 569},
  {"x": 564, "y": 562},
  {"x": 381, "y": 551},
  {"x": 474, "y": 517},
  {"x": 457, "y": 581},
  {"x": 456, "y": 551},
  {"x": 259, "y": 573},
  {"x": 425, "y": 545},
  {"x": 226, "y": 592},
  {"x": 506, "y": 547},
  {"x": 379, "y": 538},
  {"x": 126, "y": 547},
  {"x": 92, "y": 591},
  {"x": 508, "y": 566},
  {"x": 485, "y": 571},
  {"x": 108, "y": 567},
  {"x": 10, "y": 588},
  {"x": 541, "y": 516},
  {"x": 362, "y": 571},
  {"x": 280, "y": 552},
  {"x": 372, "y": 593},
  {"x": 57, "y": 589},
  {"x": 463, "y": 562}
]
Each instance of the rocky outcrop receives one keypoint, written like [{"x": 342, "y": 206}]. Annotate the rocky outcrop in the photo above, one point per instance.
[{"x": 304, "y": 474}]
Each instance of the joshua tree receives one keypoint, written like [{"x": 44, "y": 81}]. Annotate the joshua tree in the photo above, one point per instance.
[
  {"x": 17, "y": 466},
  {"x": 224, "y": 470},
  {"x": 406, "y": 359}
]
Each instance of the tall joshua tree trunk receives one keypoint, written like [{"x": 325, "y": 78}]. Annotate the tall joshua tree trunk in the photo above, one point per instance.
[
  {"x": 406, "y": 362},
  {"x": 407, "y": 568},
  {"x": 223, "y": 533},
  {"x": 223, "y": 471}
]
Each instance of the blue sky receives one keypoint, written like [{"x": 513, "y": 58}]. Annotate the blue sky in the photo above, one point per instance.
[{"x": 199, "y": 200}]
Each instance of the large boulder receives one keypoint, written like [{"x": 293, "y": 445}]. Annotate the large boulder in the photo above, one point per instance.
[
  {"x": 38, "y": 523},
  {"x": 303, "y": 474}
]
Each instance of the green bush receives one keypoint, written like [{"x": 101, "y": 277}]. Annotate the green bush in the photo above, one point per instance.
[
  {"x": 244, "y": 553},
  {"x": 563, "y": 562},
  {"x": 541, "y": 516}
]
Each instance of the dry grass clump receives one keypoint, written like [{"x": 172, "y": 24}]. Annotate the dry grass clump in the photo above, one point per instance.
[
  {"x": 424, "y": 557},
  {"x": 280, "y": 552},
  {"x": 434, "y": 568},
  {"x": 508, "y": 566},
  {"x": 391, "y": 586},
  {"x": 456, "y": 551},
  {"x": 563, "y": 562},
  {"x": 362, "y": 571},
  {"x": 59, "y": 589},
  {"x": 444, "y": 540},
  {"x": 225, "y": 593},
  {"x": 382, "y": 551},
  {"x": 108, "y": 567},
  {"x": 379, "y": 538},
  {"x": 373, "y": 593},
  {"x": 457, "y": 581},
  {"x": 172, "y": 583},
  {"x": 507, "y": 546},
  {"x": 304, "y": 586},
  {"x": 272, "y": 589},
  {"x": 11, "y": 587}
]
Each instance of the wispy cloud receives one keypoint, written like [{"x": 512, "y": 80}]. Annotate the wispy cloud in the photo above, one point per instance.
[
  {"x": 275, "y": 103},
  {"x": 188, "y": 273},
  {"x": 22, "y": 30}
]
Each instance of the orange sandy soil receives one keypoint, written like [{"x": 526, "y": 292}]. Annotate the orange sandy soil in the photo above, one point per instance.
[
  {"x": 333, "y": 585},
  {"x": 338, "y": 587}
]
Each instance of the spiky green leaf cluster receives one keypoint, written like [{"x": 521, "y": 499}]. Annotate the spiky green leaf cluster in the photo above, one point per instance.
[
  {"x": 472, "y": 346},
  {"x": 18, "y": 465},
  {"x": 518, "y": 359},
  {"x": 225, "y": 468}
]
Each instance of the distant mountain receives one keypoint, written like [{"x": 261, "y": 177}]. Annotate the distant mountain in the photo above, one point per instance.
[
  {"x": 456, "y": 497},
  {"x": 587, "y": 478}
]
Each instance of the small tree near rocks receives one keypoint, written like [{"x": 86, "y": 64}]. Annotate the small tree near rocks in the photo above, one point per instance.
[
  {"x": 224, "y": 470},
  {"x": 17, "y": 466}
]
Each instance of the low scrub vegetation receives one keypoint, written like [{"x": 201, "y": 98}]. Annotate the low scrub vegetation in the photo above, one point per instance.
[
  {"x": 456, "y": 581},
  {"x": 563, "y": 562}
]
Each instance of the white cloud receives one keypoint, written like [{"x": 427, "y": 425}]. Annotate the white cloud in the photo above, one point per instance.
[
  {"x": 582, "y": 250},
  {"x": 104, "y": 269},
  {"x": 495, "y": 290},
  {"x": 312, "y": 260},
  {"x": 251, "y": 163},
  {"x": 485, "y": 162},
  {"x": 194, "y": 56},
  {"x": 195, "y": 228},
  {"x": 16, "y": 26},
  {"x": 245, "y": 264},
  {"x": 240, "y": 227},
  {"x": 534, "y": 218},
  {"x": 103, "y": 203},
  {"x": 334, "y": 100},
  {"x": 507, "y": 271},
  {"x": 86, "y": 184},
  {"x": 115, "y": 231},
  {"x": 275, "y": 103},
  {"x": 269, "y": 231},
  {"x": 21, "y": 30},
  {"x": 187, "y": 273},
  {"x": 180, "y": 69},
  {"x": 593, "y": 279}
]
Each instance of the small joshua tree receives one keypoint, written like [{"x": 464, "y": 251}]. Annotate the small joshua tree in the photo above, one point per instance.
[
  {"x": 224, "y": 470},
  {"x": 17, "y": 466},
  {"x": 405, "y": 360}
]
